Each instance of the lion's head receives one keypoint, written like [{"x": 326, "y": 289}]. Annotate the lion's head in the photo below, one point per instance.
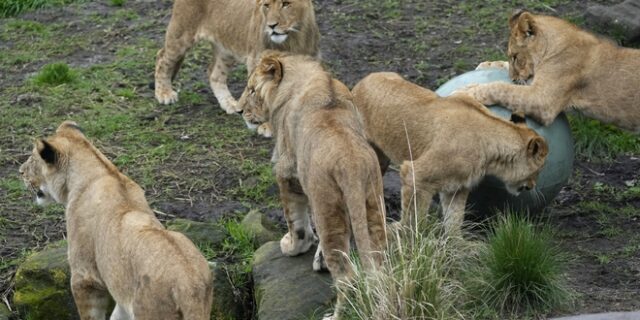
[
  {"x": 523, "y": 46},
  {"x": 521, "y": 172},
  {"x": 45, "y": 172},
  {"x": 282, "y": 18}
]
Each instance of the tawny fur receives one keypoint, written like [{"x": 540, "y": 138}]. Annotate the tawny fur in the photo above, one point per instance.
[
  {"x": 117, "y": 246},
  {"x": 320, "y": 142},
  {"x": 566, "y": 67},
  {"x": 239, "y": 30},
  {"x": 455, "y": 141}
]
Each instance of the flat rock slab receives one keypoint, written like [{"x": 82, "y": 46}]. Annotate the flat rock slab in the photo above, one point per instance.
[
  {"x": 287, "y": 288},
  {"x": 624, "y": 15},
  {"x": 605, "y": 316}
]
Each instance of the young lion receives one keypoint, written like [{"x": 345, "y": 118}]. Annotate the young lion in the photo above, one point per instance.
[
  {"x": 565, "y": 67},
  {"x": 453, "y": 142},
  {"x": 116, "y": 244},
  {"x": 239, "y": 30},
  {"x": 320, "y": 142}
]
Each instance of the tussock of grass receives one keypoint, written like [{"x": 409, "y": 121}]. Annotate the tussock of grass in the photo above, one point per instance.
[
  {"x": 598, "y": 141},
  {"x": 55, "y": 74},
  {"x": 418, "y": 280},
  {"x": 520, "y": 269}
]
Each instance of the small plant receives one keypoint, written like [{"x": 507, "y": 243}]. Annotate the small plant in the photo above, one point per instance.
[
  {"x": 55, "y": 74},
  {"x": 418, "y": 279},
  {"x": 521, "y": 270},
  {"x": 117, "y": 3}
]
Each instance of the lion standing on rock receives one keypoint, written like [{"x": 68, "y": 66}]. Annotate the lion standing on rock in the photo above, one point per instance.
[
  {"x": 320, "y": 142},
  {"x": 117, "y": 246},
  {"x": 239, "y": 30}
]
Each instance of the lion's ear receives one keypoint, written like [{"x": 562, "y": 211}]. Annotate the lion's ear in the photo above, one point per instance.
[
  {"x": 47, "y": 152},
  {"x": 271, "y": 67},
  {"x": 537, "y": 148},
  {"x": 524, "y": 22}
]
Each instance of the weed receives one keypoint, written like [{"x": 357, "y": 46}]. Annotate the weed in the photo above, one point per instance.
[
  {"x": 55, "y": 74},
  {"x": 603, "y": 259},
  {"x": 117, "y": 3},
  {"x": 521, "y": 270}
]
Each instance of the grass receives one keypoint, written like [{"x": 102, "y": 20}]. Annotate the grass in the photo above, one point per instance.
[
  {"x": 55, "y": 74},
  {"x": 418, "y": 279},
  {"x": 10, "y": 8},
  {"x": 521, "y": 271},
  {"x": 597, "y": 141},
  {"x": 117, "y": 3}
]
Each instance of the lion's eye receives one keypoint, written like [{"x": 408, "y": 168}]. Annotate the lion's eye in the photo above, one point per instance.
[{"x": 286, "y": 4}]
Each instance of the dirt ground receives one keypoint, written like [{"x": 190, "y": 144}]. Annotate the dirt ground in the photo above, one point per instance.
[{"x": 215, "y": 169}]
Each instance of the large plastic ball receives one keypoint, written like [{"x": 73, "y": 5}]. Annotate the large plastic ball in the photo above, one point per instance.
[{"x": 491, "y": 193}]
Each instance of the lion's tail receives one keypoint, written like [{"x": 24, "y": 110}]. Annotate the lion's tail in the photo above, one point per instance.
[{"x": 356, "y": 199}]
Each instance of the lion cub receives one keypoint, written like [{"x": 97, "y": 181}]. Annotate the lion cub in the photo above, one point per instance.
[
  {"x": 239, "y": 30},
  {"x": 320, "y": 142},
  {"x": 444, "y": 145},
  {"x": 565, "y": 67},
  {"x": 117, "y": 246}
]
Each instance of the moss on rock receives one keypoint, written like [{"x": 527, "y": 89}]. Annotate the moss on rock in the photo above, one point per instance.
[
  {"x": 201, "y": 233},
  {"x": 262, "y": 229},
  {"x": 42, "y": 289}
]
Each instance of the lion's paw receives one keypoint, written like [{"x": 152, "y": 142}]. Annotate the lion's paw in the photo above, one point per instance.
[
  {"x": 166, "y": 96},
  {"x": 230, "y": 105},
  {"x": 265, "y": 130},
  {"x": 493, "y": 64},
  {"x": 291, "y": 246}
]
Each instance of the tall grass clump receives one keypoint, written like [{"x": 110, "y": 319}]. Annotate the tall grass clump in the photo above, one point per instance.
[
  {"x": 55, "y": 74},
  {"x": 520, "y": 270},
  {"x": 596, "y": 141},
  {"x": 418, "y": 279}
]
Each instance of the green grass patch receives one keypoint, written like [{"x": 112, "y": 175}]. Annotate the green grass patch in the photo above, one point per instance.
[
  {"x": 117, "y": 3},
  {"x": 521, "y": 270},
  {"x": 597, "y": 141},
  {"x": 10, "y": 8},
  {"x": 55, "y": 74}
]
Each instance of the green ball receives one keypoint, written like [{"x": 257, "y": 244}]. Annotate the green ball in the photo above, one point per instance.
[{"x": 491, "y": 195}]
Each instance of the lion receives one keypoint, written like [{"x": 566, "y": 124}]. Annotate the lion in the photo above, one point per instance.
[
  {"x": 444, "y": 144},
  {"x": 320, "y": 145},
  {"x": 565, "y": 67},
  {"x": 117, "y": 246},
  {"x": 239, "y": 30}
]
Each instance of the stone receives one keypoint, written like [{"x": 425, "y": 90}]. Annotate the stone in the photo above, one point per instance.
[
  {"x": 202, "y": 234},
  {"x": 42, "y": 286},
  {"x": 262, "y": 229},
  {"x": 604, "y": 316},
  {"x": 286, "y": 288},
  {"x": 227, "y": 301},
  {"x": 623, "y": 17}
]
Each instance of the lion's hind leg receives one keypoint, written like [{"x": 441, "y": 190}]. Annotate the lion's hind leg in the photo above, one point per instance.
[
  {"x": 119, "y": 313},
  {"x": 300, "y": 236},
  {"x": 90, "y": 297}
]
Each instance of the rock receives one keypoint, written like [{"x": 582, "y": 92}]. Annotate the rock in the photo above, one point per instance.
[
  {"x": 263, "y": 230},
  {"x": 203, "y": 234},
  {"x": 605, "y": 316},
  {"x": 623, "y": 17},
  {"x": 227, "y": 301},
  {"x": 5, "y": 314},
  {"x": 42, "y": 287},
  {"x": 286, "y": 288}
]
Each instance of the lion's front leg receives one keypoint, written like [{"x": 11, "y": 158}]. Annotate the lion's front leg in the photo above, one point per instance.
[
  {"x": 536, "y": 102},
  {"x": 300, "y": 236},
  {"x": 453, "y": 206},
  {"x": 218, "y": 81}
]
